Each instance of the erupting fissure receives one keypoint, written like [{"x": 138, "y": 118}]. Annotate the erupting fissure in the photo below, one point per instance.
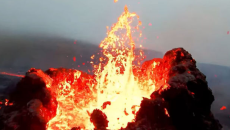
[
  {"x": 116, "y": 96},
  {"x": 117, "y": 91}
]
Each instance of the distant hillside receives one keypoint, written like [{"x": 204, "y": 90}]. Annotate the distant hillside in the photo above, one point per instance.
[
  {"x": 218, "y": 78},
  {"x": 20, "y": 53}
]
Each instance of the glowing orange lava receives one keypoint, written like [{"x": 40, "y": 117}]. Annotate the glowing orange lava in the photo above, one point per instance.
[
  {"x": 116, "y": 81},
  {"x": 117, "y": 91}
]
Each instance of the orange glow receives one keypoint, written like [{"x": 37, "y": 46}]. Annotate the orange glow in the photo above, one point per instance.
[
  {"x": 115, "y": 1},
  {"x": 117, "y": 91},
  {"x": 223, "y": 108},
  {"x": 166, "y": 112},
  {"x": 6, "y": 102},
  {"x": 73, "y": 101}
]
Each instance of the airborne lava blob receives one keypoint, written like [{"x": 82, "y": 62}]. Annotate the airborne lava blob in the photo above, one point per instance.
[{"x": 117, "y": 91}]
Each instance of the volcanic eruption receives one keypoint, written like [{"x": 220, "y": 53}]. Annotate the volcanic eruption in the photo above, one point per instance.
[{"x": 164, "y": 94}]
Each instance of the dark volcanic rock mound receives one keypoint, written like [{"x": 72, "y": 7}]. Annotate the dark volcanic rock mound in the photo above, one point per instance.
[
  {"x": 34, "y": 101},
  {"x": 33, "y": 104},
  {"x": 183, "y": 92}
]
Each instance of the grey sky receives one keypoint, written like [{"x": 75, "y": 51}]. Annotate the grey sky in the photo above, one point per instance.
[{"x": 200, "y": 26}]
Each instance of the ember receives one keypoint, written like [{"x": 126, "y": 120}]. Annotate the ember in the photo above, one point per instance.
[{"x": 223, "y": 108}]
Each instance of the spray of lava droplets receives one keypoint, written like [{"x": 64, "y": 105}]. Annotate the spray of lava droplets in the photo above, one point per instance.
[
  {"x": 116, "y": 81},
  {"x": 116, "y": 85}
]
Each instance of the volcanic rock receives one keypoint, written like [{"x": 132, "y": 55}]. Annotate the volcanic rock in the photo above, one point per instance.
[
  {"x": 34, "y": 98},
  {"x": 99, "y": 120},
  {"x": 33, "y": 104},
  {"x": 152, "y": 115},
  {"x": 182, "y": 89},
  {"x": 76, "y": 128}
]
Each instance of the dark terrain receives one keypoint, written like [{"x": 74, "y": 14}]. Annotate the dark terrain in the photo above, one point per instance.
[{"x": 19, "y": 53}]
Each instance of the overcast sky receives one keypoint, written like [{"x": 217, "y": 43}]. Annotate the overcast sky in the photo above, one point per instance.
[{"x": 200, "y": 26}]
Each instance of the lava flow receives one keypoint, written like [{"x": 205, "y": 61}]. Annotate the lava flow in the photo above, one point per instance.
[
  {"x": 12, "y": 74},
  {"x": 117, "y": 91}
]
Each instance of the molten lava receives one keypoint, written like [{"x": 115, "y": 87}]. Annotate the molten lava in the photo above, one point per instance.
[
  {"x": 116, "y": 81},
  {"x": 117, "y": 91}
]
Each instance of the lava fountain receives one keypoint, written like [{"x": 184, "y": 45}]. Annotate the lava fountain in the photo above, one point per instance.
[
  {"x": 114, "y": 89},
  {"x": 116, "y": 81}
]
